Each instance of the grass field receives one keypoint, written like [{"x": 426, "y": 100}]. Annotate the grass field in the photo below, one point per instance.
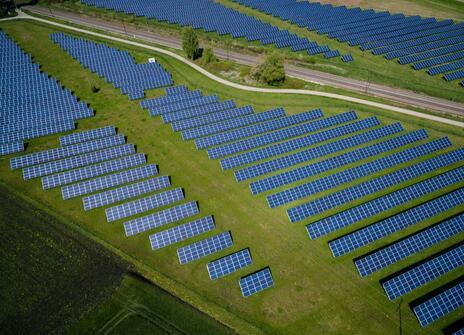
[
  {"x": 366, "y": 66},
  {"x": 313, "y": 293},
  {"x": 443, "y": 9},
  {"x": 57, "y": 281}
]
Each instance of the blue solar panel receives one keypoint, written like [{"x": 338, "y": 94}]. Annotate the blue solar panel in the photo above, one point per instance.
[
  {"x": 395, "y": 223},
  {"x": 424, "y": 273},
  {"x": 198, "y": 111},
  {"x": 223, "y": 266},
  {"x": 204, "y": 247},
  {"x": 125, "y": 192},
  {"x": 374, "y": 185},
  {"x": 116, "y": 66},
  {"x": 232, "y": 123},
  {"x": 33, "y": 104},
  {"x": 440, "y": 305},
  {"x": 77, "y": 161},
  {"x": 413, "y": 244},
  {"x": 143, "y": 205},
  {"x": 256, "y": 129},
  {"x": 287, "y": 134},
  {"x": 27, "y": 134},
  {"x": 91, "y": 171},
  {"x": 256, "y": 282},
  {"x": 202, "y": 120},
  {"x": 176, "y": 90},
  {"x": 360, "y": 171},
  {"x": 161, "y": 218},
  {"x": 66, "y": 151},
  {"x": 181, "y": 233},
  {"x": 108, "y": 181},
  {"x": 384, "y": 203},
  {"x": 295, "y": 144},
  {"x": 185, "y": 104},
  {"x": 10, "y": 148},
  {"x": 170, "y": 98},
  {"x": 328, "y": 164},
  {"x": 87, "y": 135}
]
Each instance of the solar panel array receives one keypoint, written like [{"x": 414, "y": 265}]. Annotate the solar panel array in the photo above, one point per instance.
[
  {"x": 228, "y": 264},
  {"x": 86, "y": 165},
  {"x": 212, "y": 17},
  {"x": 413, "y": 244},
  {"x": 320, "y": 154},
  {"x": 440, "y": 305},
  {"x": 256, "y": 282},
  {"x": 396, "y": 36},
  {"x": 32, "y": 103},
  {"x": 117, "y": 67},
  {"x": 400, "y": 221},
  {"x": 424, "y": 273},
  {"x": 204, "y": 247}
]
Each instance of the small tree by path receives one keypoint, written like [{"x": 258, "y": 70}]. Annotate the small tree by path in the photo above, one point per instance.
[
  {"x": 190, "y": 42},
  {"x": 271, "y": 72}
]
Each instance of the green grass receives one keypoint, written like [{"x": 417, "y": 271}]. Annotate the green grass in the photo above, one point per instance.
[
  {"x": 366, "y": 66},
  {"x": 313, "y": 293},
  {"x": 139, "y": 307}
]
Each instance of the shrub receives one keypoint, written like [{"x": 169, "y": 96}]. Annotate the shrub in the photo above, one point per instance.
[
  {"x": 208, "y": 56},
  {"x": 271, "y": 72},
  {"x": 190, "y": 42}
]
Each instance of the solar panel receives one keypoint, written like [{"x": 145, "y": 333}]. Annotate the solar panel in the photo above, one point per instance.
[
  {"x": 373, "y": 185},
  {"x": 37, "y": 132},
  {"x": 77, "y": 161},
  {"x": 223, "y": 266},
  {"x": 360, "y": 171},
  {"x": 202, "y": 120},
  {"x": 325, "y": 165},
  {"x": 143, "y": 205},
  {"x": 11, "y": 148},
  {"x": 197, "y": 111},
  {"x": 226, "y": 125},
  {"x": 406, "y": 247},
  {"x": 161, "y": 218},
  {"x": 66, "y": 151},
  {"x": 170, "y": 98},
  {"x": 91, "y": 171},
  {"x": 108, "y": 181},
  {"x": 440, "y": 305},
  {"x": 181, "y": 233},
  {"x": 204, "y": 247},
  {"x": 285, "y": 134},
  {"x": 295, "y": 143},
  {"x": 176, "y": 89},
  {"x": 87, "y": 135},
  {"x": 425, "y": 272},
  {"x": 259, "y": 128},
  {"x": 395, "y": 223},
  {"x": 185, "y": 104},
  {"x": 256, "y": 282},
  {"x": 125, "y": 192},
  {"x": 384, "y": 203}
]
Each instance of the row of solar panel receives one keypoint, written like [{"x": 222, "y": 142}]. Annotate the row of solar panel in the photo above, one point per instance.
[
  {"x": 33, "y": 104},
  {"x": 127, "y": 184}
]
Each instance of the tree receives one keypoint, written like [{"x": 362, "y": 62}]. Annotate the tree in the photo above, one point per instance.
[
  {"x": 190, "y": 42},
  {"x": 208, "y": 56},
  {"x": 271, "y": 72}
]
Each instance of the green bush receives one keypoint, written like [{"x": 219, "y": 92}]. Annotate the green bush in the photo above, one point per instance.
[
  {"x": 190, "y": 42},
  {"x": 208, "y": 56},
  {"x": 271, "y": 72}
]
